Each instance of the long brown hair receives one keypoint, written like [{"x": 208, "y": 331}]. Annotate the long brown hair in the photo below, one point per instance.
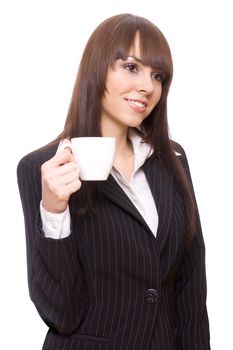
[{"x": 111, "y": 40}]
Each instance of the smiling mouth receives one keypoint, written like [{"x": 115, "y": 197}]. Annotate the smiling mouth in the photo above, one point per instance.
[{"x": 137, "y": 103}]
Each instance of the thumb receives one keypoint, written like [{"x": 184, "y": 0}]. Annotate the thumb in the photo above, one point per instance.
[{"x": 65, "y": 143}]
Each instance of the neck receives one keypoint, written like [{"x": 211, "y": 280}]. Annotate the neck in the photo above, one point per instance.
[
  {"x": 121, "y": 135},
  {"x": 124, "y": 157}
]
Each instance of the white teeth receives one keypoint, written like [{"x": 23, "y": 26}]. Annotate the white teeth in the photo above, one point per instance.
[{"x": 137, "y": 103}]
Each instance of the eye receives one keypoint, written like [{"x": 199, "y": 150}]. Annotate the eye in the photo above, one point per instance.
[
  {"x": 132, "y": 67},
  {"x": 157, "y": 76}
]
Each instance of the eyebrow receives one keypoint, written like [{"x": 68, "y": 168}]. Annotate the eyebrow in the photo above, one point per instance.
[{"x": 135, "y": 59}]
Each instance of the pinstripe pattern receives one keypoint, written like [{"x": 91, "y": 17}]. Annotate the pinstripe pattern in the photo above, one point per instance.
[{"x": 92, "y": 287}]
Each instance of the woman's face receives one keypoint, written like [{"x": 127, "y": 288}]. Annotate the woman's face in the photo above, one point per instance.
[{"x": 132, "y": 91}]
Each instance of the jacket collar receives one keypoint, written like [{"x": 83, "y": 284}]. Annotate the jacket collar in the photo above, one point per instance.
[{"x": 142, "y": 150}]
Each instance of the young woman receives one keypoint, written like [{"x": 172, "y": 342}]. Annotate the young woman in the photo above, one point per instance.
[{"x": 117, "y": 264}]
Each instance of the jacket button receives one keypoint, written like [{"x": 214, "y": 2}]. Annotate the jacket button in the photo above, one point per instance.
[{"x": 151, "y": 296}]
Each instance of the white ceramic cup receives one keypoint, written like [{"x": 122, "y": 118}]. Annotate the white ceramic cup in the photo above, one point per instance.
[{"x": 94, "y": 156}]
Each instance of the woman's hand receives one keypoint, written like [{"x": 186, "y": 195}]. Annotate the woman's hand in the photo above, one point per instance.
[{"x": 60, "y": 178}]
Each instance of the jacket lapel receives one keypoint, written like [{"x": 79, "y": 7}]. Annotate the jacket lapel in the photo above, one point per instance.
[
  {"x": 162, "y": 187},
  {"x": 114, "y": 192}
]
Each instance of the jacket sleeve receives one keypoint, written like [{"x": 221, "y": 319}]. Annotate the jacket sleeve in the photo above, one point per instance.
[
  {"x": 55, "y": 276},
  {"x": 191, "y": 290}
]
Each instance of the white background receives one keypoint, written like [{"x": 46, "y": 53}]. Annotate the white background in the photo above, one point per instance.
[{"x": 41, "y": 45}]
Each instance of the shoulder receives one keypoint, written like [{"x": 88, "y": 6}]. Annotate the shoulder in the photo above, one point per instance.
[
  {"x": 181, "y": 156},
  {"x": 36, "y": 158},
  {"x": 178, "y": 149},
  {"x": 179, "y": 152}
]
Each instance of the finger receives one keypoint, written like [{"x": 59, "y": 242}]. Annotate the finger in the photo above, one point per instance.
[
  {"x": 72, "y": 187},
  {"x": 66, "y": 169},
  {"x": 70, "y": 177},
  {"x": 59, "y": 159},
  {"x": 65, "y": 143}
]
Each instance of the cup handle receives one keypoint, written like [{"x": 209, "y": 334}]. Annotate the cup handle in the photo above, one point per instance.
[{"x": 64, "y": 144}]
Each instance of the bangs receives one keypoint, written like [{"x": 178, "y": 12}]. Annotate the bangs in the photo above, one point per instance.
[
  {"x": 154, "y": 49},
  {"x": 156, "y": 53}
]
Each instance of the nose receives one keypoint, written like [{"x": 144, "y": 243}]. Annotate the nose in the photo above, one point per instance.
[{"x": 145, "y": 84}]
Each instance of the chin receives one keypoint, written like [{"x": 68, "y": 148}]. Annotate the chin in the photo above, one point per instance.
[{"x": 135, "y": 124}]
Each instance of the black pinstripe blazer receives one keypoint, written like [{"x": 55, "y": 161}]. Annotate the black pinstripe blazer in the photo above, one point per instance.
[{"x": 111, "y": 285}]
